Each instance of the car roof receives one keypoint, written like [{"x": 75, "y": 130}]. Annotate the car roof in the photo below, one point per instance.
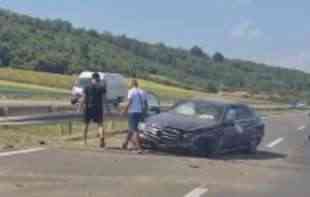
[
  {"x": 216, "y": 103},
  {"x": 88, "y": 74}
]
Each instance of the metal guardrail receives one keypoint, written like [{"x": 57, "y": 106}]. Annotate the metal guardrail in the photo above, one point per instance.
[
  {"x": 59, "y": 116},
  {"x": 49, "y": 118},
  {"x": 20, "y": 109},
  {"x": 60, "y": 119},
  {"x": 56, "y": 117},
  {"x": 31, "y": 109}
]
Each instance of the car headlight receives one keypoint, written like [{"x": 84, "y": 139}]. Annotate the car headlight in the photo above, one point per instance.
[
  {"x": 141, "y": 135},
  {"x": 187, "y": 135},
  {"x": 141, "y": 126}
]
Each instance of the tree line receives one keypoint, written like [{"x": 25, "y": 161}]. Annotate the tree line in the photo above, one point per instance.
[{"x": 56, "y": 46}]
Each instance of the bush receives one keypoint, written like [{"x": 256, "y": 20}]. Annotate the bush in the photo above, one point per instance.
[
  {"x": 218, "y": 57},
  {"x": 212, "y": 88}
]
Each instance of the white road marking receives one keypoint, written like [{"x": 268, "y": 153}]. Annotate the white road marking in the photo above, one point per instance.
[
  {"x": 6, "y": 154},
  {"x": 301, "y": 128},
  {"x": 197, "y": 192},
  {"x": 275, "y": 142}
]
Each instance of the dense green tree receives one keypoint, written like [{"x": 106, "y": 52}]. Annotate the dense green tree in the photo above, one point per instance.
[
  {"x": 212, "y": 87},
  {"x": 197, "y": 51},
  {"x": 56, "y": 46},
  {"x": 218, "y": 57},
  {"x": 4, "y": 55}
]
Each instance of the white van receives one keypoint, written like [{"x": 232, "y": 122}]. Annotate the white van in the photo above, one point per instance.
[{"x": 116, "y": 84}]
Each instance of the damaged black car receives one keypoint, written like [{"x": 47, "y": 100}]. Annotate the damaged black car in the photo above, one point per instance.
[{"x": 204, "y": 128}]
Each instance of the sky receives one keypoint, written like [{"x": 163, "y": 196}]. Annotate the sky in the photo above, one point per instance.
[{"x": 275, "y": 32}]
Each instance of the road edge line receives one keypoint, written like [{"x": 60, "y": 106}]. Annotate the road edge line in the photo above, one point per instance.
[
  {"x": 301, "y": 128},
  {"x": 19, "y": 152},
  {"x": 275, "y": 142},
  {"x": 197, "y": 192}
]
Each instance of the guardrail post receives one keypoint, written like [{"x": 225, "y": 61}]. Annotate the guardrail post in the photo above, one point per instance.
[
  {"x": 4, "y": 111},
  {"x": 70, "y": 127},
  {"x": 52, "y": 108},
  {"x": 61, "y": 128},
  {"x": 112, "y": 124}
]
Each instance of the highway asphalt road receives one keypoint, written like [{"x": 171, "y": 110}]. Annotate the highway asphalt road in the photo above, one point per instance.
[{"x": 280, "y": 168}]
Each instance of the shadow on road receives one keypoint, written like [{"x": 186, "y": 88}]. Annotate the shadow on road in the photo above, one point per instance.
[{"x": 260, "y": 155}]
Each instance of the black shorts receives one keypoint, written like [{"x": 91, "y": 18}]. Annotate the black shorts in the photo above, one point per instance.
[
  {"x": 133, "y": 121},
  {"x": 93, "y": 115}
]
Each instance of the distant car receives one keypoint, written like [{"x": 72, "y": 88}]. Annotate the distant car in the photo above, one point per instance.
[
  {"x": 117, "y": 87},
  {"x": 205, "y": 128},
  {"x": 297, "y": 105}
]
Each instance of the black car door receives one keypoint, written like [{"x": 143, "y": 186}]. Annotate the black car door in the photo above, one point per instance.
[
  {"x": 244, "y": 124},
  {"x": 230, "y": 131}
]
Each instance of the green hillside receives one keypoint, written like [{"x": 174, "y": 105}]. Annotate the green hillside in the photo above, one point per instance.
[
  {"x": 56, "y": 46},
  {"x": 21, "y": 84},
  {"x": 42, "y": 85}
]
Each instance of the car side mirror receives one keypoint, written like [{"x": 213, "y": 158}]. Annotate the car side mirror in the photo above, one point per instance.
[
  {"x": 229, "y": 122},
  {"x": 154, "y": 110},
  {"x": 230, "y": 117}
]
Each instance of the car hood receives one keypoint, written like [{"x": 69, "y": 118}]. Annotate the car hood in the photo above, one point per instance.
[{"x": 180, "y": 122}]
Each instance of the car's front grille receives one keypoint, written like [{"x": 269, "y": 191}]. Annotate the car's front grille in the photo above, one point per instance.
[{"x": 164, "y": 136}]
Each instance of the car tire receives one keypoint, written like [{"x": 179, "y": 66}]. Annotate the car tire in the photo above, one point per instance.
[
  {"x": 149, "y": 145},
  {"x": 252, "y": 146}
]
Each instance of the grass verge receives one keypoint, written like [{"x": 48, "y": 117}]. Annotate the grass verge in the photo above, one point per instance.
[
  {"x": 13, "y": 90},
  {"x": 53, "y": 134}
]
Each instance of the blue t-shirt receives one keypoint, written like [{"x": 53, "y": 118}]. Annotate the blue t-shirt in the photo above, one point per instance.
[{"x": 137, "y": 98}]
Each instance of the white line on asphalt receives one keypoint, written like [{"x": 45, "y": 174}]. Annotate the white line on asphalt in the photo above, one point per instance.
[
  {"x": 274, "y": 143},
  {"x": 6, "y": 154},
  {"x": 301, "y": 128},
  {"x": 197, "y": 192}
]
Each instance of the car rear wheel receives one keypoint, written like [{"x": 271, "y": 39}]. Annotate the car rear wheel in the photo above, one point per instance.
[{"x": 252, "y": 146}]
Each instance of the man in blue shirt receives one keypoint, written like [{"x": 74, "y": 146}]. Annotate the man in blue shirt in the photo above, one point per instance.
[{"x": 136, "y": 109}]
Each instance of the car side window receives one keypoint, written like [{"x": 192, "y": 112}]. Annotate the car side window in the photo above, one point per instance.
[
  {"x": 231, "y": 115},
  {"x": 152, "y": 100},
  {"x": 244, "y": 113}
]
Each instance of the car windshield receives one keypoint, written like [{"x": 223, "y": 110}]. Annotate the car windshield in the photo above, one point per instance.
[
  {"x": 84, "y": 82},
  {"x": 152, "y": 100},
  {"x": 199, "y": 110}
]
